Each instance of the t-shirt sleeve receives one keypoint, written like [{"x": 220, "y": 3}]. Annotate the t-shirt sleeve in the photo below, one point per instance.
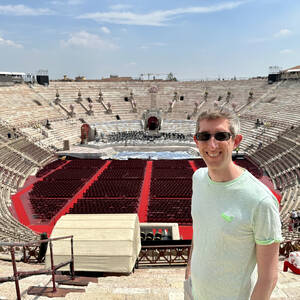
[{"x": 266, "y": 222}]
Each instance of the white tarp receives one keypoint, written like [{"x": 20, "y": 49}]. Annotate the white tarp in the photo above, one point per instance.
[
  {"x": 13, "y": 73},
  {"x": 102, "y": 242},
  {"x": 293, "y": 70}
]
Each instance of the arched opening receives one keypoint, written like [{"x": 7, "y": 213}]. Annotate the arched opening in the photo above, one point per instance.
[{"x": 153, "y": 123}]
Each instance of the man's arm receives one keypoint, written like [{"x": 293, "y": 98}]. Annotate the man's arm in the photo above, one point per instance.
[
  {"x": 267, "y": 268},
  {"x": 188, "y": 267}
]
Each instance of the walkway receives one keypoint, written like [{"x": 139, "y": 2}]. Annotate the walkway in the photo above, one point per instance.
[{"x": 149, "y": 283}]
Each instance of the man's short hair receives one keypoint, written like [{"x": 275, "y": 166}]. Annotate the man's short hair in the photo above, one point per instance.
[{"x": 223, "y": 113}]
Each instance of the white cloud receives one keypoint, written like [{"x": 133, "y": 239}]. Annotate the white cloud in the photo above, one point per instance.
[
  {"x": 120, "y": 7},
  {"x": 105, "y": 30},
  {"x": 282, "y": 33},
  {"x": 9, "y": 43},
  {"x": 88, "y": 40},
  {"x": 68, "y": 2},
  {"x": 154, "y": 44},
  {"x": 74, "y": 2},
  {"x": 156, "y": 18},
  {"x": 22, "y": 10},
  {"x": 286, "y": 51},
  {"x": 279, "y": 34}
]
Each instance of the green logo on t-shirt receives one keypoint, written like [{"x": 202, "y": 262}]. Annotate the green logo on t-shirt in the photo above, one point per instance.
[{"x": 227, "y": 218}]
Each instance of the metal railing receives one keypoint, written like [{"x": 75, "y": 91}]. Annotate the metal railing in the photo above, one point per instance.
[
  {"x": 22, "y": 274},
  {"x": 151, "y": 255},
  {"x": 164, "y": 255}
]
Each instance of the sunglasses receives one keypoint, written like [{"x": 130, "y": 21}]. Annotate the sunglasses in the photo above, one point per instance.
[{"x": 219, "y": 136}]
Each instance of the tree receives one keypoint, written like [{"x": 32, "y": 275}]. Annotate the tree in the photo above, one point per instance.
[{"x": 171, "y": 77}]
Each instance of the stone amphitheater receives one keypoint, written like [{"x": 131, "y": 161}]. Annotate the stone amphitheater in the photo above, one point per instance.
[{"x": 26, "y": 145}]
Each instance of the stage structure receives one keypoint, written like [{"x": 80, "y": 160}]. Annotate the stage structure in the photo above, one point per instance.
[{"x": 102, "y": 242}]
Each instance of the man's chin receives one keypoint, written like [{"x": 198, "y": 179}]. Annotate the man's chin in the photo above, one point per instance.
[{"x": 212, "y": 160}]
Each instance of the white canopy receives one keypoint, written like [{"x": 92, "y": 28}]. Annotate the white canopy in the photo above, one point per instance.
[
  {"x": 13, "y": 73},
  {"x": 102, "y": 242},
  {"x": 293, "y": 70}
]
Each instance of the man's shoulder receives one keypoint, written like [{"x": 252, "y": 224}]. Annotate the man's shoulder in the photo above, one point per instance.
[
  {"x": 200, "y": 173},
  {"x": 257, "y": 189},
  {"x": 252, "y": 181}
]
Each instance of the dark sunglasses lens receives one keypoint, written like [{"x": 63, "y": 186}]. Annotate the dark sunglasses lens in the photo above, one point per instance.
[
  {"x": 203, "y": 136},
  {"x": 222, "y": 136}
]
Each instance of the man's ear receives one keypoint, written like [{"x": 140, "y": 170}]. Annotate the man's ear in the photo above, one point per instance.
[
  {"x": 237, "y": 140},
  {"x": 195, "y": 140}
]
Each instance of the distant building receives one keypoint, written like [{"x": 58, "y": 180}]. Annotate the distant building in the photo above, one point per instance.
[
  {"x": 12, "y": 77},
  {"x": 80, "y": 78},
  {"x": 276, "y": 74},
  {"x": 116, "y": 78},
  {"x": 291, "y": 73},
  {"x": 66, "y": 78}
]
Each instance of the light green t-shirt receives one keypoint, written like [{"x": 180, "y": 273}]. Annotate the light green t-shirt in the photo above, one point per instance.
[{"x": 229, "y": 218}]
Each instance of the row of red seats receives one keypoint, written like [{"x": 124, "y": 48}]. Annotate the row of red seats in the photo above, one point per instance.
[
  {"x": 171, "y": 188},
  {"x": 172, "y": 173},
  {"x": 162, "y": 210},
  {"x": 114, "y": 188},
  {"x": 46, "y": 208},
  {"x": 53, "y": 165},
  {"x": 170, "y": 192},
  {"x": 85, "y": 164},
  {"x": 101, "y": 206},
  {"x": 170, "y": 164},
  {"x": 113, "y": 173},
  {"x": 128, "y": 164},
  {"x": 73, "y": 174},
  {"x": 55, "y": 189}
]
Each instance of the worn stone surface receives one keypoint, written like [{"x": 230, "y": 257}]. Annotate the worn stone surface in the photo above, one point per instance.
[{"x": 143, "y": 284}]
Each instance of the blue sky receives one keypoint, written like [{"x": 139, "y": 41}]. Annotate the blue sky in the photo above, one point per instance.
[{"x": 194, "y": 39}]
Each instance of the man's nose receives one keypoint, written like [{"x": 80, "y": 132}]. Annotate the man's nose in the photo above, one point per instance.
[{"x": 212, "y": 143}]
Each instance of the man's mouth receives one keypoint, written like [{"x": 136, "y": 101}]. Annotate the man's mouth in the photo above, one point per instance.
[{"x": 213, "y": 154}]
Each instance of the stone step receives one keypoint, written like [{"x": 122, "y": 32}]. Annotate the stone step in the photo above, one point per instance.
[{"x": 138, "y": 296}]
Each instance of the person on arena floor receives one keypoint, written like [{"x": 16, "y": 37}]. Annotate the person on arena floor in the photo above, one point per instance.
[{"x": 236, "y": 224}]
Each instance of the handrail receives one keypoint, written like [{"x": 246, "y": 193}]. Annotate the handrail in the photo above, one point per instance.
[
  {"x": 19, "y": 274},
  {"x": 163, "y": 255},
  {"x": 32, "y": 243}
]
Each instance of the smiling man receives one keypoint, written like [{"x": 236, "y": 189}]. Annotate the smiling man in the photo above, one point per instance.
[{"x": 236, "y": 223}]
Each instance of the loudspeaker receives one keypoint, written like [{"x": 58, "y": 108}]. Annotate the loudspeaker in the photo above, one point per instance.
[
  {"x": 126, "y": 99},
  {"x": 66, "y": 145},
  {"x": 274, "y": 78},
  {"x": 118, "y": 117},
  {"x": 181, "y": 98},
  {"x": 42, "y": 79}
]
